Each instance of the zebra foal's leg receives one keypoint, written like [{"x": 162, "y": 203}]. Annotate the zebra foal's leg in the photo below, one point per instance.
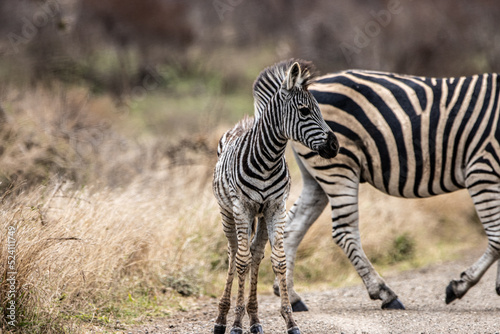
[
  {"x": 275, "y": 227},
  {"x": 484, "y": 189},
  {"x": 301, "y": 216},
  {"x": 243, "y": 260},
  {"x": 225, "y": 301},
  {"x": 257, "y": 250}
]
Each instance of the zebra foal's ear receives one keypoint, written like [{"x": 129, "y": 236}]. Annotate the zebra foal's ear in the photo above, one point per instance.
[{"x": 293, "y": 77}]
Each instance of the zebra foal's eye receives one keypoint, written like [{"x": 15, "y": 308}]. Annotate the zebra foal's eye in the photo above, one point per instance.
[{"x": 304, "y": 111}]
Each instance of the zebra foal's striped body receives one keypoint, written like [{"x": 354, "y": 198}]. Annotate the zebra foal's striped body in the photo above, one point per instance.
[
  {"x": 251, "y": 181},
  {"x": 408, "y": 137}
]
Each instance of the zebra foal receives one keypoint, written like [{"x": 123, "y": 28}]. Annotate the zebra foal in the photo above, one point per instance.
[
  {"x": 408, "y": 137},
  {"x": 251, "y": 181}
]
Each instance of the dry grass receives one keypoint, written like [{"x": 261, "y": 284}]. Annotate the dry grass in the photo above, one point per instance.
[
  {"x": 115, "y": 226},
  {"x": 106, "y": 224},
  {"x": 80, "y": 251}
]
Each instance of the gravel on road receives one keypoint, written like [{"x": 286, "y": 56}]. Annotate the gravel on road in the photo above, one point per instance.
[{"x": 350, "y": 310}]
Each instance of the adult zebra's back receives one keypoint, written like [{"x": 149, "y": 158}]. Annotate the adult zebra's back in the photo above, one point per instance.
[{"x": 408, "y": 137}]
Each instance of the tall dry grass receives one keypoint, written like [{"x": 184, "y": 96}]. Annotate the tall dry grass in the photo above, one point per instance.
[
  {"x": 77, "y": 250},
  {"x": 103, "y": 217},
  {"x": 114, "y": 225}
]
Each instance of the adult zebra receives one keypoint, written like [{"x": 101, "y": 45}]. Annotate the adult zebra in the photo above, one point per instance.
[
  {"x": 409, "y": 137},
  {"x": 251, "y": 181}
]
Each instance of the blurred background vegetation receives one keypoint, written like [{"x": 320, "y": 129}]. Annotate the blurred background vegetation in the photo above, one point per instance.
[
  {"x": 110, "y": 112},
  {"x": 172, "y": 68}
]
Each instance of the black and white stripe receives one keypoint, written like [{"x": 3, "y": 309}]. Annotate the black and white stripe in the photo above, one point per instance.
[
  {"x": 409, "y": 137},
  {"x": 251, "y": 181}
]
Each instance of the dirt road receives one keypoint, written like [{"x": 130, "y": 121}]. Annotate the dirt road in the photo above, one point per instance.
[{"x": 349, "y": 310}]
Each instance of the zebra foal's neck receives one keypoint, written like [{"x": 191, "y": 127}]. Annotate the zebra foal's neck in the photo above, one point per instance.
[{"x": 263, "y": 148}]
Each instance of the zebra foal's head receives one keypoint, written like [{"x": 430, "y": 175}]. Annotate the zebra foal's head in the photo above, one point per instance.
[{"x": 281, "y": 90}]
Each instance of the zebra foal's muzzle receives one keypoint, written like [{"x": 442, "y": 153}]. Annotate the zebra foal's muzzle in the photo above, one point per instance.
[{"x": 330, "y": 147}]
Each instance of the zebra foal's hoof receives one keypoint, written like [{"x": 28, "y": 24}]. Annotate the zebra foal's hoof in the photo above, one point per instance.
[
  {"x": 236, "y": 330},
  {"x": 219, "y": 329},
  {"x": 395, "y": 304},
  {"x": 257, "y": 329},
  {"x": 294, "y": 330},
  {"x": 299, "y": 306}
]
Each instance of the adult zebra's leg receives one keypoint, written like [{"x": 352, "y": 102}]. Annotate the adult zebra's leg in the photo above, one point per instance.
[
  {"x": 343, "y": 194},
  {"x": 225, "y": 301},
  {"x": 275, "y": 228},
  {"x": 484, "y": 188},
  {"x": 301, "y": 216},
  {"x": 498, "y": 279},
  {"x": 257, "y": 250}
]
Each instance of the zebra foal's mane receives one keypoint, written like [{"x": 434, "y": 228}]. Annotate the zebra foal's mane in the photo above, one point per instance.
[{"x": 271, "y": 79}]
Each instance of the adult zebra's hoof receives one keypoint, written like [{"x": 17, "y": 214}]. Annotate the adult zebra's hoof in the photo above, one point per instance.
[
  {"x": 450, "y": 293},
  {"x": 498, "y": 290},
  {"x": 236, "y": 330},
  {"x": 395, "y": 304},
  {"x": 294, "y": 330},
  {"x": 299, "y": 306},
  {"x": 219, "y": 329},
  {"x": 257, "y": 329},
  {"x": 276, "y": 289}
]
